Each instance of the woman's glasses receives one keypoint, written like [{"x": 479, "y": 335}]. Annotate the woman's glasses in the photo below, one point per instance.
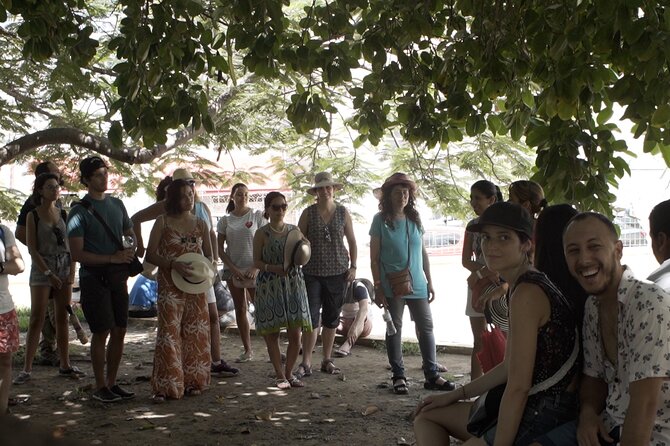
[
  {"x": 60, "y": 238},
  {"x": 326, "y": 232},
  {"x": 277, "y": 207}
]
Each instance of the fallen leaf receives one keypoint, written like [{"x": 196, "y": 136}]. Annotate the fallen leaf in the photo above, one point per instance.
[
  {"x": 315, "y": 396},
  {"x": 342, "y": 377},
  {"x": 401, "y": 441},
  {"x": 369, "y": 410},
  {"x": 245, "y": 431}
]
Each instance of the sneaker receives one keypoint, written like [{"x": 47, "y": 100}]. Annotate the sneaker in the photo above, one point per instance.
[
  {"x": 122, "y": 393},
  {"x": 105, "y": 395},
  {"x": 22, "y": 378},
  {"x": 71, "y": 372},
  {"x": 223, "y": 369}
]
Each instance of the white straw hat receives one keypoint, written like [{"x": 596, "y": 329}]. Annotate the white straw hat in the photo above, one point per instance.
[
  {"x": 296, "y": 250},
  {"x": 201, "y": 277}
]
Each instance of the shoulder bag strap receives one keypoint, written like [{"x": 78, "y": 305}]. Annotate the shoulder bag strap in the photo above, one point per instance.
[
  {"x": 88, "y": 205},
  {"x": 560, "y": 373},
  {"x": 407, "y": 232}
]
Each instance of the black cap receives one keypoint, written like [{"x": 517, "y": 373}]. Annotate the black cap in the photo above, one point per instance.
[
  {"x": 507, "y": 215},
  {"x": 89, "y": 165}
]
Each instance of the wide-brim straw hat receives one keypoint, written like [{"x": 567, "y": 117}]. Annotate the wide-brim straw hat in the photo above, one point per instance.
[
  {"x": 202, "y": 274},
  {"x": 394, "y": 180},
  {"x": 323, "y": 179},
  {"x": 296, "y": 250}
]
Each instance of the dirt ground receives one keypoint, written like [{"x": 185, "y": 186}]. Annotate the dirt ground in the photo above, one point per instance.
[{"x": 354, "y": 408}]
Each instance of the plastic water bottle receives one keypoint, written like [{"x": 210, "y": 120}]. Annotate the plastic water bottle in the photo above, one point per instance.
[{"x": 390, "y": 328}]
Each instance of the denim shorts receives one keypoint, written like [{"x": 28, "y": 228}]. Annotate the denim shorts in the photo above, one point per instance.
[
  {"x": 541, "y": 416},
  {"x": 59, "y": 264}
]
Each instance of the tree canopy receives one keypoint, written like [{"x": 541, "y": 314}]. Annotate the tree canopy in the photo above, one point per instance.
[{"x": 423, "y": 74}]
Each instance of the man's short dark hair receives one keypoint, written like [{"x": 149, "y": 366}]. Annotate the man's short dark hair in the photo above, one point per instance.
[
  {"x": 659, "y": 219},
  {"x": 584, "y": 215}
]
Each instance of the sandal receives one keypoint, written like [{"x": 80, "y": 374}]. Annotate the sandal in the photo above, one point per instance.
[
  {"x": 190, "y": 391},
  {"x": 295, "y": 382},
  {"x": 282, "y": 384},
  {"x": 327, "y": 366},
  {"x": 158, "y": 398},
  {"x": 341, "y": 353},
  {"x": 442, "y": 368},
  {"x": 303, "y": 370},
  {"x": 400, "y": 385},
  {"x": 432, "y": 384}
]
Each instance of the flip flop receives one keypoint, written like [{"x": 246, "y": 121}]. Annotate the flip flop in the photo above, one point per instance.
[
  {"x": 282, "y": 384},
  {"x": 341, "y": 353}
]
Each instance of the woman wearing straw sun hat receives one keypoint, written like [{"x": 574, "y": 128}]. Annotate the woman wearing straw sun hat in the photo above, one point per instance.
[
  {"x": 330, "y": 269},
  {"x": 396, "y": 247}
]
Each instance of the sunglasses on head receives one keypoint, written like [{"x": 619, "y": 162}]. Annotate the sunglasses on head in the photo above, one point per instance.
[{"x": 276, "y": 207}]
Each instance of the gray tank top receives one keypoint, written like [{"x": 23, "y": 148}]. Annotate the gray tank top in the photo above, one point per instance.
[{"x": 51, "y": 240}]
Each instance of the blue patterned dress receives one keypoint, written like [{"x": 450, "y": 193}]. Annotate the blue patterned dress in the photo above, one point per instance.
[{"x": 281, "y": 301}]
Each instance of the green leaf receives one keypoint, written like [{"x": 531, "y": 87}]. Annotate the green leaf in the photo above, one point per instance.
[
  {"x": 115, "y": 134},
  {"x": 528, "y": 99},
  {"x": 661, "y": 116}
]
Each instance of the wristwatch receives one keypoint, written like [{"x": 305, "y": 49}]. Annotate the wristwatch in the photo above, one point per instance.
[{"x": 48, "y": 273}]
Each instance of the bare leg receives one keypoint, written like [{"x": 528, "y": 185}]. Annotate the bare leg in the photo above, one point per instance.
[
  {"x": 272, "y": 343},
  {"x": 327, "y": 340},
  {"x": 308, "y": 343},
  {"x": 61, "y": 300},
  {"x": 292, "y": 350},
  {"x": 98, "y": 346},
  {"x": 438, "y": 425},
  {"x": 478, "y": 324},
  {"x": 5, "y": 380},
  {"x": 114, "y": 354},
  {"x": 241, "y": 308},
  {"x": 39, "y": 298},
  {"x": 214, "y": 332}
]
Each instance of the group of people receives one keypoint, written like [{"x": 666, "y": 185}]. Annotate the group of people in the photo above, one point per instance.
[
  {"x": 587, "y": 349},
  {"x": 588, "y": 345}
]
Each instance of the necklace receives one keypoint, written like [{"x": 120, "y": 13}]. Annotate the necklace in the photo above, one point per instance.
[{"x": 278, "y": 231}]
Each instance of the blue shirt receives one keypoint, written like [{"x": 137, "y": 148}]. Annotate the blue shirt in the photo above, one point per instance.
[{"x": 393, "y": 253}]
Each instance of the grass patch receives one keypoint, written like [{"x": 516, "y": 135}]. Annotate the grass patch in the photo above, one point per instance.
[{"x": 23, "y": 315}]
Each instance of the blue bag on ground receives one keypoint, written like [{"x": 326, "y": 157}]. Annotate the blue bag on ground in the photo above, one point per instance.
[{"x": 143, "y": 298}]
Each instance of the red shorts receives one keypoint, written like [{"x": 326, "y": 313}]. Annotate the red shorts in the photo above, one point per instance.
[{"x": 9, "y": 332}]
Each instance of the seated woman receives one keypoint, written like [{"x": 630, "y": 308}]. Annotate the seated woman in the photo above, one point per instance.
[
  {"x": 354, "y": 320},
  {"x": 540, "y": 370}
]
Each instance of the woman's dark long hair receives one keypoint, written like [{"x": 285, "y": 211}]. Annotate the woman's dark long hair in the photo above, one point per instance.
[
  {"x": 488, "y": 189},
  {"x": 231, "y": 204},
  {"x": 40, "y": 181},
  {"x": 549, "y": 255},
  {"x": 268, "y": 201},
  {"x": 173, "y": 197},
  {"x": 386, "y": 207},
  {"x": 161, "y": 189}
]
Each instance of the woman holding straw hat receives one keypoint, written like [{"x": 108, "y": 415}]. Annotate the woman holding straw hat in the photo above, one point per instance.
[
  {"x": 330, "y": 269},
  {"x": 396, "y": 244},
  {"x": 281, "y": 298},
  {"x": 182, "y": 358}
]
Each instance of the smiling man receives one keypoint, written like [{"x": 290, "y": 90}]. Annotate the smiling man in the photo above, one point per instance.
[{"x": 626, "y": 339}]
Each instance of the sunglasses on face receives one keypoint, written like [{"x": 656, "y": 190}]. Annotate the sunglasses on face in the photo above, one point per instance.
[
  {"x": 60, "y": 238},
  {"x": 277, "y": 207}
]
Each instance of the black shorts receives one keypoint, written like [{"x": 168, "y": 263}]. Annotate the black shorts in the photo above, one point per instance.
[
  {"x": 104, "y": 297},
  {"x": 326, "y": 293}
]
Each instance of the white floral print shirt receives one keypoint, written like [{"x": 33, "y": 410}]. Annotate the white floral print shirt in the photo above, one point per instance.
[{"x": 643, "y": 350}]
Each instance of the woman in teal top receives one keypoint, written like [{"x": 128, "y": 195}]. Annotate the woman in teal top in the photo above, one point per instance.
[{"x": 396, "y": 232}]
